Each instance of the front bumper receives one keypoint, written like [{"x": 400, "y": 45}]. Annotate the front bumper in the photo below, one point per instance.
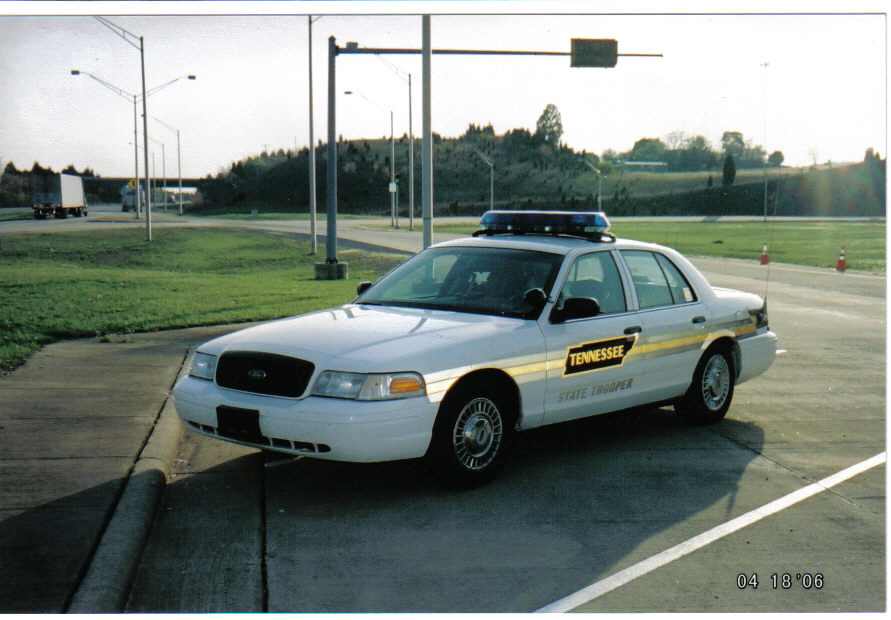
[
  {"x": 326, "y": 428},
  {"x": 757, "y": 354}
]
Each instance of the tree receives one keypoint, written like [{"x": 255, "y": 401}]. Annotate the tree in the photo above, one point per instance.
[
  {"x": 549, "y": 127},
  {"x": 729, "y": 171},
  {"x": 733, "y": 144},
  {"x": 776, "y": 159},
  {"x": 698, "y": 154},
  {"x": 675, "y": 140},
  {"x": 610, "y": 156},
  {"x": 648, "y": 149}
]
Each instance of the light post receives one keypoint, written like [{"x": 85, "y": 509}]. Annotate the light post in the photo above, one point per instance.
[
  {"x": 312, "y": 151},
  {"x": 131, "y": 39},
  {"x": 179, "y": 171},
  {"x": 129, "y": 97},
  {"x": 135, "y": 98},
  {"x": 764, "y": 66},
  {"x": 153, "y": 180},
  {"x": 394, "y": 207},
  {"x": 599, "y": 181},
  {"x": 491, "y": 177}
]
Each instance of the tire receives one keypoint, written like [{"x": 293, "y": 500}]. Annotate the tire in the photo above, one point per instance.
[
  {"x": 472, "y": 433},
  {"x": 708, "y": 397}
]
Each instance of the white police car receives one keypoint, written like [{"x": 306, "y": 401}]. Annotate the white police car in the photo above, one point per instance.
[{"x": 540, "y": 317}]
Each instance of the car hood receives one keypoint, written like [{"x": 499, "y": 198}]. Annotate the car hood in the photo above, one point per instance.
[{"x": 368, "y": 338}]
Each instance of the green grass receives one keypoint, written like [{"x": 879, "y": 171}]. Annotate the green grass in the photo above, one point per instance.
[
  {"x": 813, "y": 243},
  {"x": 9, "y": 217},
  {"x": 58, "y": 286}
]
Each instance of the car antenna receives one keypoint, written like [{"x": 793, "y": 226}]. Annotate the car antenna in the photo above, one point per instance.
[{"x": 770, "y": 228}]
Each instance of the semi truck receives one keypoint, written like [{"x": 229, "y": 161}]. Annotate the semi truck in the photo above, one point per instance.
[{"x": 58, "y": 195}]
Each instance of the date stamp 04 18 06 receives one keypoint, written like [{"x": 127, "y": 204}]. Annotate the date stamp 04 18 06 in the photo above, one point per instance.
[{"x": 781, "y": 581}]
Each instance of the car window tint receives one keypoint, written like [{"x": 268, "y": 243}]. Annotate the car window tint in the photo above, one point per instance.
[
  {"x": 649, "y": 279},
  {"x": 595, "y": 275},
  {"x": 681, "y": 290}
]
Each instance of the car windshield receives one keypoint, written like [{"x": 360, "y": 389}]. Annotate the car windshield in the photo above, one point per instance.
[{"x": 468, "y": 279}]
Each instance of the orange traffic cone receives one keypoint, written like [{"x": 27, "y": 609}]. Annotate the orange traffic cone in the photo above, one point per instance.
[
  {"x": 764, "y": 258},
  {"x": 842, "y": 264}
]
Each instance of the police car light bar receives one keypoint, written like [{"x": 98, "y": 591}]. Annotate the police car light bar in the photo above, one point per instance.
[{"x": 592, "y": 225}]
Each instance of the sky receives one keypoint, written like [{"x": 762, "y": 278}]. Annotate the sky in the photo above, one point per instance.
[{"x": 813, "y": 86}]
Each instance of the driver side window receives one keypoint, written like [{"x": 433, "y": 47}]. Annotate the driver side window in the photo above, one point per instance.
[{"x": 595, "y": 275}]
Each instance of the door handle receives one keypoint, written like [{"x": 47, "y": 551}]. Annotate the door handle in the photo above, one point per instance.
[
  {"x": 634, "y": 329},
  {"x": 699, "y": 319}
]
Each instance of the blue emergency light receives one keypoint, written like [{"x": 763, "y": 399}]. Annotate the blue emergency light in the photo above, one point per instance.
[{"x": 592, "y": 225}]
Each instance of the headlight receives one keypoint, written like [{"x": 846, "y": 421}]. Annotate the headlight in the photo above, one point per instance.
[
  {"x": 360, "y": 386},
  {"x": 203, "y": 366}
]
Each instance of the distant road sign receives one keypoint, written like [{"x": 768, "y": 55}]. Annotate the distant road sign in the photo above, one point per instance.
[{"x": 593, "y": 52}]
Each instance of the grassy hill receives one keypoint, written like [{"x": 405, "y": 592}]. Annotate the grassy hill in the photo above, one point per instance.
[{"x": 535, "y": 175}]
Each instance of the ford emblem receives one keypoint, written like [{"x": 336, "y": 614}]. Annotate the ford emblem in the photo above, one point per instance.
[{"x": 257, "y": 374}]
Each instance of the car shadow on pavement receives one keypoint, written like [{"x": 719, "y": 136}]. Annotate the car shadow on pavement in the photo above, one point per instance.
[{"x": 577, "y": 502}]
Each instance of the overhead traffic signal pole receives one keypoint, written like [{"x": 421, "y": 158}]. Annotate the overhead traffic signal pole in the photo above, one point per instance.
[{"x": 584, "y": 53}]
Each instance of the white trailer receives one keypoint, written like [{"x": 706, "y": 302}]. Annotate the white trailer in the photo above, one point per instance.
[{"x": 58, "y": 195}]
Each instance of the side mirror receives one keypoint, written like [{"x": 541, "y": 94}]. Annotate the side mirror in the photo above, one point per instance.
[
  {"x": 575, "y": 308},
  {"x": 362, "y": 287},
  {"x": 536, "y": 298}
]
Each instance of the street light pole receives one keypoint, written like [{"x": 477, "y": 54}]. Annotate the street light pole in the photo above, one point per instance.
[
  {"x": 131, "y": 38},
  {"x": 491, "y": 178},
  {"x": 394, "y": 192},
  {"x": 599, "y": 180},
  {"x": 148, "y": 202},
  {"x": 179, "y": 171},
  {"x": 427, "y": 157},
  {"x": 164, "y": 173},
  {"x": 331, "y": 213},
  {"x": 394, "y": 216},
  {"x": 312, "y": 154},
  {"x": 411, "y": 164},
  {"x": 764, "y": 65},
  {"x": 136, "y": 159}
]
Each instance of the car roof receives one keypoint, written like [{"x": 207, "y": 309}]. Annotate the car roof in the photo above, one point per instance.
[{"x": 545, "y": 243}]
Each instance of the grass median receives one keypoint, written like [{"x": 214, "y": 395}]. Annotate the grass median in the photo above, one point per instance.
[
  {"x": 816, "y": 243},
  {"x": 64, "y": 285}
]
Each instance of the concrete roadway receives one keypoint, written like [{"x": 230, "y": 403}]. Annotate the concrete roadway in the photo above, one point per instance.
[{"x": 580, "y": 502}]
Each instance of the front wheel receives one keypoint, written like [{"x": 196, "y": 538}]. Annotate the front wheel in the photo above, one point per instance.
[
  {"x": 708, "y": 398},
  {"x": 471, "y": 435}
]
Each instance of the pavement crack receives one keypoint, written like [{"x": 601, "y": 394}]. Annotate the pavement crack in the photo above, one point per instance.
[{"x": 798, "y": 474}]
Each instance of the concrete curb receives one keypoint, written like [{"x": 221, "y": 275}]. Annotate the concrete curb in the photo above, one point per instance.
[{"x": 106, "y": 585}]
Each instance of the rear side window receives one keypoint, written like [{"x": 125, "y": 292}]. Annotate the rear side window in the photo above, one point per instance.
[
  {"x": 657, "y": 281},
  {"x": 681, "y": 291}
]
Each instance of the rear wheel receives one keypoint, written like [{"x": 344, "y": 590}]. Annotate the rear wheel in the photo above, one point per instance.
[
  {"x": 708, "y": 398},
  {"x": 473, "y": 431}
]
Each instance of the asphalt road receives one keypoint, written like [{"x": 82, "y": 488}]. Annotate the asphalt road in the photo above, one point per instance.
[{"x": 580, "y": 502}]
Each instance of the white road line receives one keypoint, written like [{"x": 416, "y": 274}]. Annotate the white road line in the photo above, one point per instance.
[{"x": 634, "y": 571}]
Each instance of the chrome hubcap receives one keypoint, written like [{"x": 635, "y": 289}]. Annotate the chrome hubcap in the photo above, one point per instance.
[
  {"x": 716, "y": 382},
  {"x": 477, "y": 433}
]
